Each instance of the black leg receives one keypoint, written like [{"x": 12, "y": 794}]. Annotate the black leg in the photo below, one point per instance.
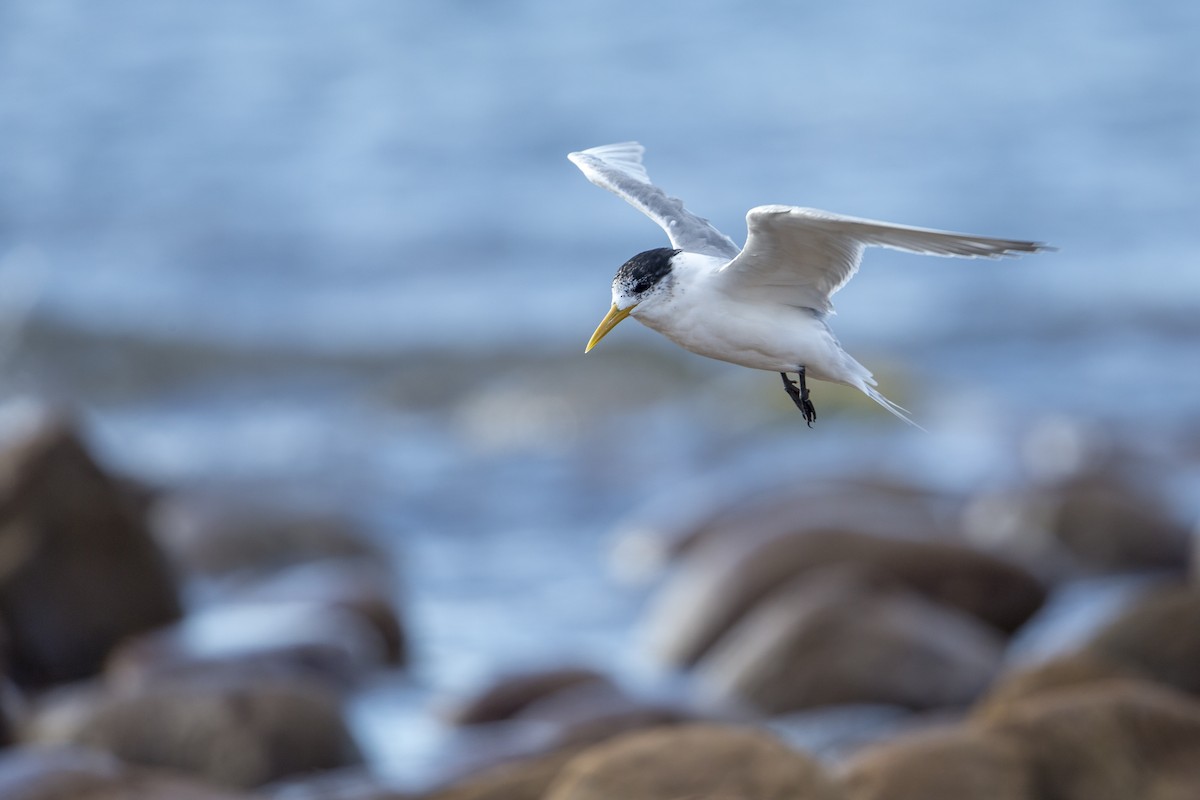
[{"x": 800, "y": 396}]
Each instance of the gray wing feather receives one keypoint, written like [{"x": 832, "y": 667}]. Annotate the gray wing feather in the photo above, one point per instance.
[
  {"x": 618, "y": 168},
  {"x": 801, "y": 256}
]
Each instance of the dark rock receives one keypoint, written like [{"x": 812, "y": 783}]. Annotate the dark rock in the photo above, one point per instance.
[
  {"x": 45, "y": 773},
  {"x": 248, "y": 640},
  {"x": 1113, "y": 740},
  {"x": 719, "y": 584},
  {"x": 507, "y": 695},
  {"x": 12, "y": 710},
  {"x": 692, "y": 761},
  {"x": 839, "y": 636},
  {"x": 79, "y": 571},
  {"x": 954, "y": 763},
  {"x": 233, "y": 733},
  {"x": 229, "y": 537},
  {"x": 1159, "y": 636}
]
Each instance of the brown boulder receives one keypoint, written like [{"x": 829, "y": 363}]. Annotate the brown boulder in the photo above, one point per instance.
[
  {"x": 44, "y": 773},
  {"x": 712, "y": 761},
  {"x": 719, "y": 583},
  {"x": 1159, "y": 636},
  {"x": 1112, "y": 740},
  {"x": 79, "y": 570},
  {"x": 838, "y": 636},
  {"x": 1064, "y": 672},
  {"x": 233, "y": 733},
  {"x": 954, "y": 763},
  {"x": 525, "y": 778}
]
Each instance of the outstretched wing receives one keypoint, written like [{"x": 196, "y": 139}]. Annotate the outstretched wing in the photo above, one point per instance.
[
  {"x": 801, "y": 256},
  {"x": 618, "y": 168}
]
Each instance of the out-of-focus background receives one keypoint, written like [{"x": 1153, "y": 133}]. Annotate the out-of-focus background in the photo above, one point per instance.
[{"x": 327, "y": 261}]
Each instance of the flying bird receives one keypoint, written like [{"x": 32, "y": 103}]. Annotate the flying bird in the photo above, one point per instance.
[{"x": 766, "y": 305}]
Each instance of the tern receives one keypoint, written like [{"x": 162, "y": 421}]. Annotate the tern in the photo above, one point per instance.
[{"x": 767, "y": 305}]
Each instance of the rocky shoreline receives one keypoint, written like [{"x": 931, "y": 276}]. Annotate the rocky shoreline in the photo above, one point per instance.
[{"x": 852, "y": 640}]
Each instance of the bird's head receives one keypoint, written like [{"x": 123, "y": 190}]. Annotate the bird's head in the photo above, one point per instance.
[{"x": 638, "y": 280}]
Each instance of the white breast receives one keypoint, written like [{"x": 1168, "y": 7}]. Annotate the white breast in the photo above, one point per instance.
[{"x": 699, "y": 317}]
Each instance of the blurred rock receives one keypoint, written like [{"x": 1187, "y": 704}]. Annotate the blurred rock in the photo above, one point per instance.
[
  {"x": 578, "y": 714},
  {"x": 1099, "y": 521},
  {"x": 840, "y": 636},
  {"x": 951, "y": 763},
  {"x": 507, "y": 695},
  {"x": 721, "y": 582},
  {"x": 587, "y": 713},
  {"x": 692, "y": 761},
  {"x": 1109, "y": 523},
  {"x": 364, "y": 590},
  {"x": 253, "y": 640},
  {"x": 12, "y": 710},
  {"x": 354, "y": 783},
  {"x": 1107, "y": 741},
  {"x": 711, "y": 510},
  {"x": 1075, "y": 611},
  {"x": 522, "y": 779},
  {"x": 51, "y": 773},
  {"x": 229, "y": 537},
  {"x": 78, "y": 569},
  {"x": 1065, "y": 672},
  {"x": 1158, "y": 636},
  {"x": 233, "y": 733}
]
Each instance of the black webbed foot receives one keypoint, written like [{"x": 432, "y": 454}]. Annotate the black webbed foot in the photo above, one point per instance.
[{"x": 800, "y": 396}]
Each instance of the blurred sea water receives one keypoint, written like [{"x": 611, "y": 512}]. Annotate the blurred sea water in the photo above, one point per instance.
[{"x": 335, "y": 249}]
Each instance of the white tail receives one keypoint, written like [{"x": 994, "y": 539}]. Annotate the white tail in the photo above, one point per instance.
[{"x": 901, "y": 412}]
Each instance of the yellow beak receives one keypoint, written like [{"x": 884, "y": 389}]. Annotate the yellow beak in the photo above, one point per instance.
[{"x": 607, "y": 324}]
